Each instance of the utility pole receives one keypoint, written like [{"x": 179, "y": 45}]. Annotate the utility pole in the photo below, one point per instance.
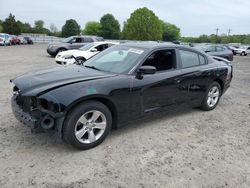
[
  {"x": 228, "y": 32},
  {"x": 217, "y": 31}
]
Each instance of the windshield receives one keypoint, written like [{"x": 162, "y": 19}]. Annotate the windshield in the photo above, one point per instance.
[
  {"x": 2, "y": 36},
  {"x": 87, "y": 46},
  {"x": 116, "y": 59},
  {"x": 67, "y": 39}
]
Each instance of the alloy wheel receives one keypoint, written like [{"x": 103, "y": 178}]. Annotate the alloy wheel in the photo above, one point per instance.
[
  {"x": 213, "y": 96},
  {"x": 90, "y": 126}
]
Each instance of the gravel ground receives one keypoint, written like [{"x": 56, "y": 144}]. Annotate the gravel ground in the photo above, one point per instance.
[{"x": 188, "y": 148}]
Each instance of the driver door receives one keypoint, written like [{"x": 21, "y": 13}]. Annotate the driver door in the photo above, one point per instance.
[{"x": 161, "y": 89}]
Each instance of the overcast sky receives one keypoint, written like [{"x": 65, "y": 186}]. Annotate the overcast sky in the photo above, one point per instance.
[{"x": 194, "y": 17}]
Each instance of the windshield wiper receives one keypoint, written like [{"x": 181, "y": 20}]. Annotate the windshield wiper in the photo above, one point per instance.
[{"x": 92, "y": 67}]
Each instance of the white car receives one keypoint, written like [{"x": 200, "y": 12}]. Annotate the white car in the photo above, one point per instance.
[
  {"x": 4, "y": 39},
  {"x": 243, "y": 50},
  {"x": 82, "y": 54}
]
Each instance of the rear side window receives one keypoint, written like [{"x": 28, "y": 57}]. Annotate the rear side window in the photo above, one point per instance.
[
  {"x": 88, "y": 39},
  {"x": 202, "y": 60},
  {"x": 189, "y": 59},
  {"x": 220, "y": 48}
]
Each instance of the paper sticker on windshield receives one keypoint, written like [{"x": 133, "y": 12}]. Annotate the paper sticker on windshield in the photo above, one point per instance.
[{"x": 137, "y": 51}]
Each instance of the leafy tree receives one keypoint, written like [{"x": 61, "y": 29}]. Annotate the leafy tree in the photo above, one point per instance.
[
  {"x": 170, "y": 32},
  {"x": 10, "y": 25},
  {"x": 1, "y": 26},
  {"x": 24, "y": 27},
  {"x": 39, "y": 27},
  {"x": 92, "y": 28},
  {"x": 70, "y": 28},
  {"x": 110, "y": 27},
  {"x": 143, "y": 24}
]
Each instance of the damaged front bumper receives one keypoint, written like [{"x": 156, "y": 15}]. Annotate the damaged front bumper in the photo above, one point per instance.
[
  {"x": 38, "y": 123},
  {"x": 24, "y": 117}
]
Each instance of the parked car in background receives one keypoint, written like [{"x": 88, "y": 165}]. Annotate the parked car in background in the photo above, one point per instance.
[
  {"x": 15, "y": 40},
  {"x": 4, "y": 39},
  {"x": 120, "y": 84},
  {"x": 218, "y": 50},
  {"x": 232, "y": 48},
  {"x": 243, "y": 50},
  {"x": 248, "y": 51},
  {"x": 21, "y": 39},
  {"x": 27, "y": 40},
  {"x": 74, "y": 42},
  {"x": 82, "y": 54}
]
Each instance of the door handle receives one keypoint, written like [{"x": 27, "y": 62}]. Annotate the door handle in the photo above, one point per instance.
[{"x": 177, "y": 80}]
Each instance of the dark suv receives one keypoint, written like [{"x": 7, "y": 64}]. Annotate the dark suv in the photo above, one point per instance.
[
  {"x": 73, "y": 42},
  {"x": 219, "y": 51}
]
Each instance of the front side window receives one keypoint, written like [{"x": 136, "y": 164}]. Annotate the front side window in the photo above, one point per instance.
[
  {"x": 116, "y": 59},
  {"x": 101, "y": 47},
  {"x": 189, "y": 59},
  {"x": 162, "y": 60}
]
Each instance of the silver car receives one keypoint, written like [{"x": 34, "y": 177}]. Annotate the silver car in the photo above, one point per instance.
[{"x": 73, "y": 42}]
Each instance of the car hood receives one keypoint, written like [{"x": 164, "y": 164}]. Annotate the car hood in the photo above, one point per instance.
[
  {"x": 34, "y": 83},
  {"x": 68, "y": 52}
]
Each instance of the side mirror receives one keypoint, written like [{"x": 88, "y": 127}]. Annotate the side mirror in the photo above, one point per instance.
[
  {"x": 94, "y": 50},
  {"x": 145, "y": 70},
  {"x": 207, "y": 51}
]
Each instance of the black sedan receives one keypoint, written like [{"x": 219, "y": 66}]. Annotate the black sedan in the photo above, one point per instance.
[{"x": 125, "y": 82}]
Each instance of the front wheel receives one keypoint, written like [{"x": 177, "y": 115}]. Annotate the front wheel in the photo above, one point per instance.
[
  {"x": 80, "y": 60},
  {"x": 87, "y": 125},
  {"x": 212, "y": 97}
]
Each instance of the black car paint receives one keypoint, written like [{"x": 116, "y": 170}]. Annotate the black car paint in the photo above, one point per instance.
[{"x": 125, "y": 95}]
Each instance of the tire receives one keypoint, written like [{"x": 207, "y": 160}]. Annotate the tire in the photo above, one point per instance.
[
  {"x": 80, "y": 60},
  {"x": 243, "y": 54},
  {"x": 79, "y": 121},
  {"x": 60, "y": 50},
  {"x": 211, "y": 98}
]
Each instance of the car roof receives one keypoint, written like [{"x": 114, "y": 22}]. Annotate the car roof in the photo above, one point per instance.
[
  {"x": 105, "y": 42},
  {"x": 156, "y": 45}
]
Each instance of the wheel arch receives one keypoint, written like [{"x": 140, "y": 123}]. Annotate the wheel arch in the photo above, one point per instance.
[
  {"x": 219, "y": 81},
  {"x": 102, "y": 99}
]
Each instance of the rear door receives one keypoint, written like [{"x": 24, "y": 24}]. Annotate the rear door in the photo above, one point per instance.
[{"x": 195, "y": 75}]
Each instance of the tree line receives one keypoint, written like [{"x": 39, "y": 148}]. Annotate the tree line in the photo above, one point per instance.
[
  {"x": 142, "y": 24},
  {"x": 223, "y": 39}
]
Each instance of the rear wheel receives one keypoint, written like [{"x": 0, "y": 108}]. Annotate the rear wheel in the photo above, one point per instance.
[
  {"x": 87, "y": 125},
  {"x": 212, "y": 97},
  {"x": 243, "y": 54}
]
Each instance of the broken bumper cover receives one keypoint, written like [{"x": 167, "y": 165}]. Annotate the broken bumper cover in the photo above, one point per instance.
[{"x": 24, "y": 117}]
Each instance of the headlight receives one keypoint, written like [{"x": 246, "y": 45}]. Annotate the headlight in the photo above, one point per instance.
[
  {"x": 52, "y": 46},
  {"x": 68, "y": 56}
]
